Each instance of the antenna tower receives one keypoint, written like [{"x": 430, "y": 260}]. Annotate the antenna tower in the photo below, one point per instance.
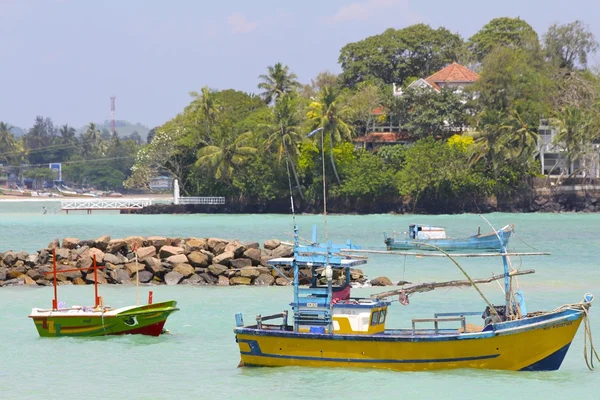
[{"x": 113, "y": 129}]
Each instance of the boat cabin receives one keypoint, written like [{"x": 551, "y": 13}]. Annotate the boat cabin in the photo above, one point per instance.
[
  {"x": 416, "y": 231},
  {"x": 360, "y": 316}
]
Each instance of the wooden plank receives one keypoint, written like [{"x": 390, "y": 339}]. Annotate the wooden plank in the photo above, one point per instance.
[{"x": 408, "y": 253}]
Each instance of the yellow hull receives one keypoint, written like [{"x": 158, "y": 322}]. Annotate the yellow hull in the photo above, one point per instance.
[{"x": 531, "y": 344}]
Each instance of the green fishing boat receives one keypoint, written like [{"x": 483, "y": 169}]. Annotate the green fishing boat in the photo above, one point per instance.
[{"x": 100, "y": 320}]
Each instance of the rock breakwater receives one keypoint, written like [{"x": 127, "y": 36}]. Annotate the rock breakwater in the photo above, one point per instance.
[{"x": 160, "y": 260}]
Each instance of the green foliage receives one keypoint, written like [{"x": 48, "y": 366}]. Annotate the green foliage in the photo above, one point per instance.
[
  {"x": 434, "y": 171},
  {"x": 257, "y": 182},
  {"x": 425, "y": 112},
  {"x": 505, "y": 32},
  {"x": 367, "y": 176},
  {"x": 396, "y": 55},
  {"x": 100, "y": 175},
  {"x": 568, "y": 45},
  {"x": 10, "y": 149},
  {"x": 393, "y": 156}
]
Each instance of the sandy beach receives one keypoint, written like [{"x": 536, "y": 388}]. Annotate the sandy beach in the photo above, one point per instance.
[{"x": 17, "y": 199}]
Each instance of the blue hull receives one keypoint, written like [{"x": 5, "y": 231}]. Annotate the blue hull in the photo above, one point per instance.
[{"x": 475, "y": 242}]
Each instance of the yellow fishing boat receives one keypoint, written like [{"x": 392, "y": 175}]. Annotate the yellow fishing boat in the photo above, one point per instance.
[{"x": 329, "y": 331}]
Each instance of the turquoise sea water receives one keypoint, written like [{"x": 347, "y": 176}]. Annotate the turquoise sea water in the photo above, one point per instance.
[{"x": 199, "y": 358}]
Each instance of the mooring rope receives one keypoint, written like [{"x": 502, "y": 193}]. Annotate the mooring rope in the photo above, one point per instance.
[{"x": 584, "y": 307}]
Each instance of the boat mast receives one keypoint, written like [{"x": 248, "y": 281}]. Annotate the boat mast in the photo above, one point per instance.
[
  {"x": 55, "y": 300},
  {"x": 507, "y": 277}
]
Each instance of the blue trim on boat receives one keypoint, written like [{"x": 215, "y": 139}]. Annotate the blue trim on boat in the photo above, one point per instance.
[
  {"x": 550, "y": 363},
  {"x": 256, "y": 351},
  {"x": 405, "y": 335}
]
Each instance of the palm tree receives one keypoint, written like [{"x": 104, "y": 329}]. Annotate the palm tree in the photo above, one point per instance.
[
  {"x": 277, "y": 82},
  {"x": 331, "y": 117},
  {"x": 206, "y": 108},
  {"x": 9, "y": 145},
  {"x": 230, "y": 153},
  {"x": 575, "y": 132},
  {"x": 90, "y": 139},
  {"x": 502, "y": 137},
  {"x": 286, "y": 134}
]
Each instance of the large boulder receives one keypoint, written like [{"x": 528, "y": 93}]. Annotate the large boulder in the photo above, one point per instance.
[
  {"x": 217, "y": 269},
  {"x": 79, "y": 281},
  {"x": 271, "y": 244},
  {"x": 224, "y": 258},
  {"x": 240, "y": 263},
  {"x": 264, "y": 280},
  {"x": 91, "y": 252},
  {"x": 85, "y": 262},
  {"x": 134, "y": 241},
  {"x": 253, "y": 254},
  {"x": 3, "y": 273},
  {"x": 54, "y": 244},
  {"x": 250, "y": 272},
  {"x": 154, "y": 264},
  {"x": 381, "y": 281},
  {"x": 194, "y": 280},
  {"x": 145, "y": 276},
  {"x": 196, "y": 244},
  {"x": 102, "y": 242},
  {"x": 116, "y": 245},
  {"x": 281, "y": 281},
  {"x": 116, "y": 259},
  {"x": 173, "y": 278},
  {"x": 134, "y": 267},
  {"x": 100, "y": 277},
  {"x": 120, "y": 276},
  {"x": 143, "y": 252},
  {"x": 184, "y": 269},
  {"x": 70, "y": 243},
  {"x": 251, "y": 245},
  {"x": 156, "y": 241},
  {"x": 208, "y": 278},
  {"x": 283, "y": 251},
  {"x": 215, "y": 245},
  {"x": 236, "y": 248},
  {"x": 168, "y": 251},
  {"x": 35, "y": 274},
  {"x": 16, "y": 271},
  {"x": 223, "y": 281},
  {"x": 198, "y": 259},
  {"x": 240, "y": 280},
  {"x": 177, "y": 259},
  {"x": 10, "y": 257},
  {"x": 43, "y": 257},
  {"x": 27, "y": 280}
]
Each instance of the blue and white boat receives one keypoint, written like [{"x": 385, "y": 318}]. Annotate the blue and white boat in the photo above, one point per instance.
[{"x": 427, "y": 237}]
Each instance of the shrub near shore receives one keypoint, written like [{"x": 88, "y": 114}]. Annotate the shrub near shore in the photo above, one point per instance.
[{"x": 170, "y": 261}]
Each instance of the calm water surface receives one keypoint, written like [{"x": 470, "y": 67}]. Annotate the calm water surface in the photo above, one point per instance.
[{"x": 199, "y": 358}]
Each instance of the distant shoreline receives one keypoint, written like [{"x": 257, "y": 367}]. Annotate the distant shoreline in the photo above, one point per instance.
[{"x": 17, "y": 199}]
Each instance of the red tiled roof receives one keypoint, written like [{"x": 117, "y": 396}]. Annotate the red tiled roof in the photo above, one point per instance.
[
  {"x": 452, "y": 73},
  {"x": 384, "y": 137},
  {"x": 378, "y": 110}
]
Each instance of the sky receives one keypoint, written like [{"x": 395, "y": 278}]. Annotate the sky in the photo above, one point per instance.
[{"x": 64, "y": 59}]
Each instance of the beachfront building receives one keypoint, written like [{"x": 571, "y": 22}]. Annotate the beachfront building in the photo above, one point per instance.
[
  {"x": 554, "y": 160},
  {"x": 453, "y": 76},
  {"x": 378, "y": 134}
]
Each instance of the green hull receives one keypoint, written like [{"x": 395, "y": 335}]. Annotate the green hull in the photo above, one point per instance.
[{"x": 143, "y": 320}]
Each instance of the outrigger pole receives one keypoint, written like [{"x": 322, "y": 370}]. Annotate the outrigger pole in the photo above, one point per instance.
[{"x": 429, "y": 286}]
